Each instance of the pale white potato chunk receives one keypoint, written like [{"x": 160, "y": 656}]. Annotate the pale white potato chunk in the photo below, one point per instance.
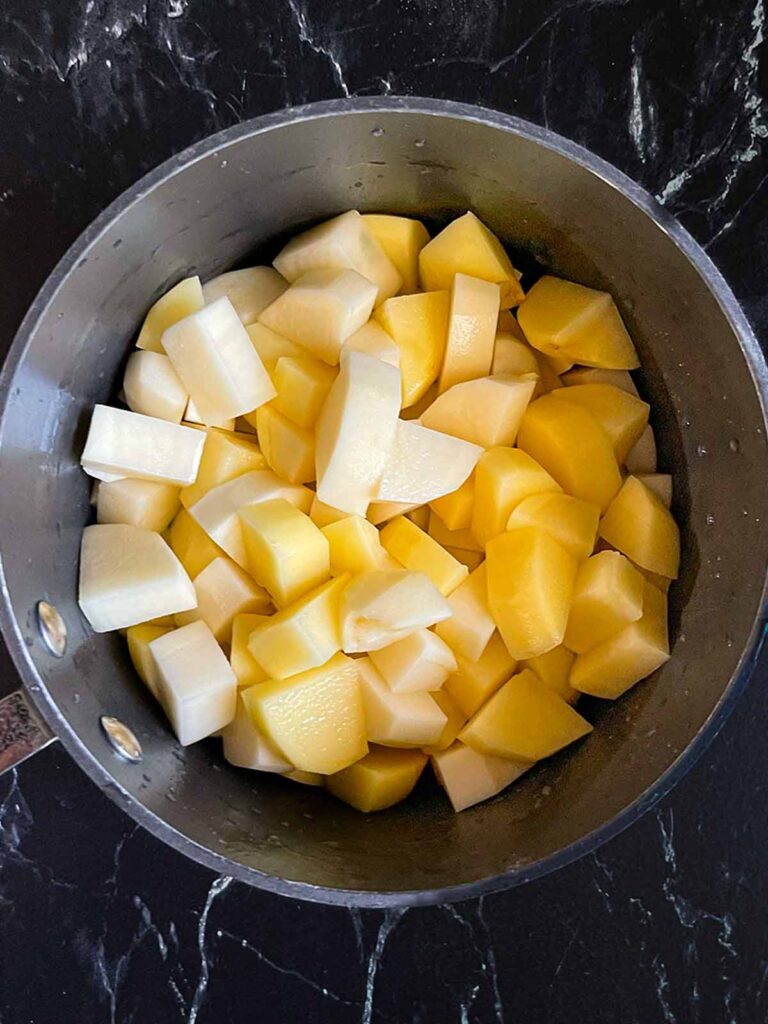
[
  {"x": 151, "y": 386},
  {"x": 249, "y": 290},
  {"x": 246, "y": 747},
  {"x": 421, "y": 661},
  {"x": 224, "y": 591},
  {"x": 468, "y": 776},
  {"x": 397, "y": 719},
  {"x": 425, "y": 464},
  {"x": 145, "y": 503}
]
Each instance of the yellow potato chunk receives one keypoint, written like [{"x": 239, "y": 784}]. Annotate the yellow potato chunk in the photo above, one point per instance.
[
  {"x": 250, "y": 290},
  {"x": 184, "y": 298},
  {"x": 397, "y": 719},
  {"x": 471, "y": 331},
  {"x": 288, "y": 448},
  {"x": 247, "y": 670},
  {"x": 145, "y": 503},
  {"x": 354, "y": 546},
  {"x": 467, "y": 246},
  {"x": 637, "y": 524},
  {"x": 418, "y": 324},
  {"x": 402, "y": 239},
  {"x": 224, "y": 591},
  {"x": 524, "y": 721},
  {"x": 570, "y": 521},
  {"x": 554, "y": 670},
  {"x": 245, "y": 746},
  {"x": 594, "y": 375},
  {"x": 439, "y": 532},
  {"x": 287, "y": 554},
  {"x": 374, "y": 341},
  {"x": 512, "y": 354},
  {"x": 272, "y": 346},
  {"x": 315, "y": 719},
  {"x": 455, "y": 509},
  {"x": 414, "y": 549},
  {"x": 226, "y": 455},
  {"x": 571, "y": 445},
  {"x": 456, "y": 722},
  {"x": 660, "y": 484},
  {"x": 530, "y": 584},
  {"x": 421, "y": 661},
  {"x": 614, "y": 666},
  {"x": 323, "y": 515},
  {"x": 567, "y": 319},
  {"x": 382, "y": 778},
  {"x": 621, "y": 415},
  {"x": 607, "y": 596},
  {"x": 420, "y": 516},
  {"x": 301, "y": 636},
  {"x": 474, "y": 681},
  {"x": 468, "y": 777},
  {"x": 139, "y": 638},
  {"x": 191, "y": 544},
  {"x": 471, "y": 624},
  {"x": 472, "y": 559},
  {"x": 306, "y": 778},
  {"x": 302, "y": 386},
  {"x": 560, "y": 364},
  {"x": 378, "y": 608},
  {"x": 486, "y": 412},
  {"x": 503, "y": 478},
  {"x": 642, "y": 457}
]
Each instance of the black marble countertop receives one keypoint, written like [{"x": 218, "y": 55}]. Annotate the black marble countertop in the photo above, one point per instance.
[{"x": 99, "y": 922}]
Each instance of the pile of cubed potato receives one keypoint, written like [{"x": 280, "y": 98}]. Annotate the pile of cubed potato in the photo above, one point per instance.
[{"x": 359, "y": 516}]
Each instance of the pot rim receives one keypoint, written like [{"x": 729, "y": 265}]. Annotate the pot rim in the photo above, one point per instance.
[{"x": 674, "y": 231}]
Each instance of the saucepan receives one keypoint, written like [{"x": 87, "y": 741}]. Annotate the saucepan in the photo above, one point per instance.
[{"x": 228, "y": 201}]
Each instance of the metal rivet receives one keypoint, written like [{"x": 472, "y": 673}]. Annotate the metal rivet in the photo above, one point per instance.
[
  {"x": 52, "y": 628},
  {"x": 122, "y": 739}
]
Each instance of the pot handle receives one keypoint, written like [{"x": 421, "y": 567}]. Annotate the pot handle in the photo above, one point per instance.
[{"x": 22, "y": 730}]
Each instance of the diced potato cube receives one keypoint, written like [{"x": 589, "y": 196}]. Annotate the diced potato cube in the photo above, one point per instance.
[
  {"x": 249, "y": 290},
  {"x": 595, "y": 375},
  {"x": 287, "y": 554},
  {"x": 425, "y": 464},
  {"x": 504, "y": 477},
  {"x": 471, "y": 331},
  {"x": 323, "y": 515},
  {"x": 637, "y": 524},
  {"x": 192, "y": 416},
  {"x": 513, "y": 355},
  {"x": 554, "y": 670},
  {"x": 530, "y": 584},
  {"x": 468, "y": 777},
  {"x": 607, "y": 596},
  {"x": 448, "y": 539},
  {"x": 374, "y": 341},
  {"x": 380, "y": 512},
  {"x": 471, "y": 625},
  {"x": 487, "y": 411},
  {"x": 378, "y": 608},
  {"x": 418, "y": 324},
  {"x": 402, "y": 239},
  {"x": 197, "y": 688},
  {"x": 315, "y": 718},
  {"x": 271, "y": 346},
  {"x": 524, "y": 721},
  {"x": 224, "y": 591},
  {"x": 321, "y": 309},
  {"x": 414, "y": 549},
  {"x": 421, "y": 661},
  {"x": 128, "y": 576},
  {"x": 355, "y": 432},
  {"x": 563, "y": 318},
  {"x": 456, "y": 721},
  {"x": 660, "y": 484},
  {"x": 302, "y": 388},
  {"x": 571, "y": 445},
  {"x": 474, "y": 681},
  {"x": 151, "y": 386},
  {"x": 139, "y": 638},
  {"x": 302, "y": 636},
  {"x": 246, "y": 747},
  {"x": 212, "y": 353},
  {"x": 247, "y": 670},
  {"x": 614, "y": 666},
  {"x": 226, "y": 455},
  {"x": 397, "y": 719},
  {"x": 382, "y": 778},
  {"x": 642, "y": 458},
  {"x": 455, "y": 509},
  {"x": 145, "y": 503},
  {"x": 354, "y": 546},
  {"x": 217, "y": 510},
  {"x": 467, "y": 246},
  {"x": 288, "y": 448},
  {"x": 127, "y": 444},
  {"x": 344, "y": 242},
  {"x": 570, "y": 521},
  {"x": 191, "y": 544},
  {"x": 560, "y": 364},
  {"x": 184, "y": 298},
  {"x": 621, "y": 415}
]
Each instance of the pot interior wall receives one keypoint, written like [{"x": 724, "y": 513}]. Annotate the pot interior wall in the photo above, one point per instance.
[{"x": 243, "y": 197}]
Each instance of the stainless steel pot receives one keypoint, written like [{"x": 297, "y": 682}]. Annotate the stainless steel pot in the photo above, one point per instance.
[{"x": 235, "y": 195}]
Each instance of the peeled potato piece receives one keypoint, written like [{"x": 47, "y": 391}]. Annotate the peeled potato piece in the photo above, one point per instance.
[
  {"x": 246, "y": 747},
  {"x": 145, "y": 503},
  {"x": 184, "y": 298},
  {"x": 486, "y": 412},
  {"x": 302, "y": 388},
  {"x": 378, "y": 608},
  {"x": 397, "y": 719},
  {"x": 191, "y": 544},
  {"x": 468, "y": 777},
  {"x": 288, "y": 448},
  {"x": 570, "y": 521},
  {"x": 152, "y": 387},
  {"x": 456, "y": 720},
  {"x": 354, "y": 546},
  {"x": 594, "y": 375},
  {"x": 642, "y": 457},
  {"x": 504, "y": 477},
  {"x": 554, "y": 670},
  {"x": 225, "y": 455},
  {"x": 382, "y": 778},
  {"x": 421, "y": 661},
  {"x": 425, "y": 464},
  {"x": 638, "y": 524},
  {"x": 607, "y": 596},
  {"x": 415, "y": 549},
  {"x": 455, "y": 509},
  {"x": 418, "y": 324},
  {"x": 621, "y": 415},
  {"x": 223, "y": 591},
  {"x": 247, "y": 670},
  {"x": 471, "y": 624},
  {"x": 471, "y": 331},
  {"x": 271, "y": 346},
  {"x": 474, "y": 681},
  {"x": 249, "y": 290},
  {"x": 139, "y": 638},
  {"x": 402, "y": 239},
  {"x": 374, "y": 341},
  {"x": 660, "y": 484}
]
